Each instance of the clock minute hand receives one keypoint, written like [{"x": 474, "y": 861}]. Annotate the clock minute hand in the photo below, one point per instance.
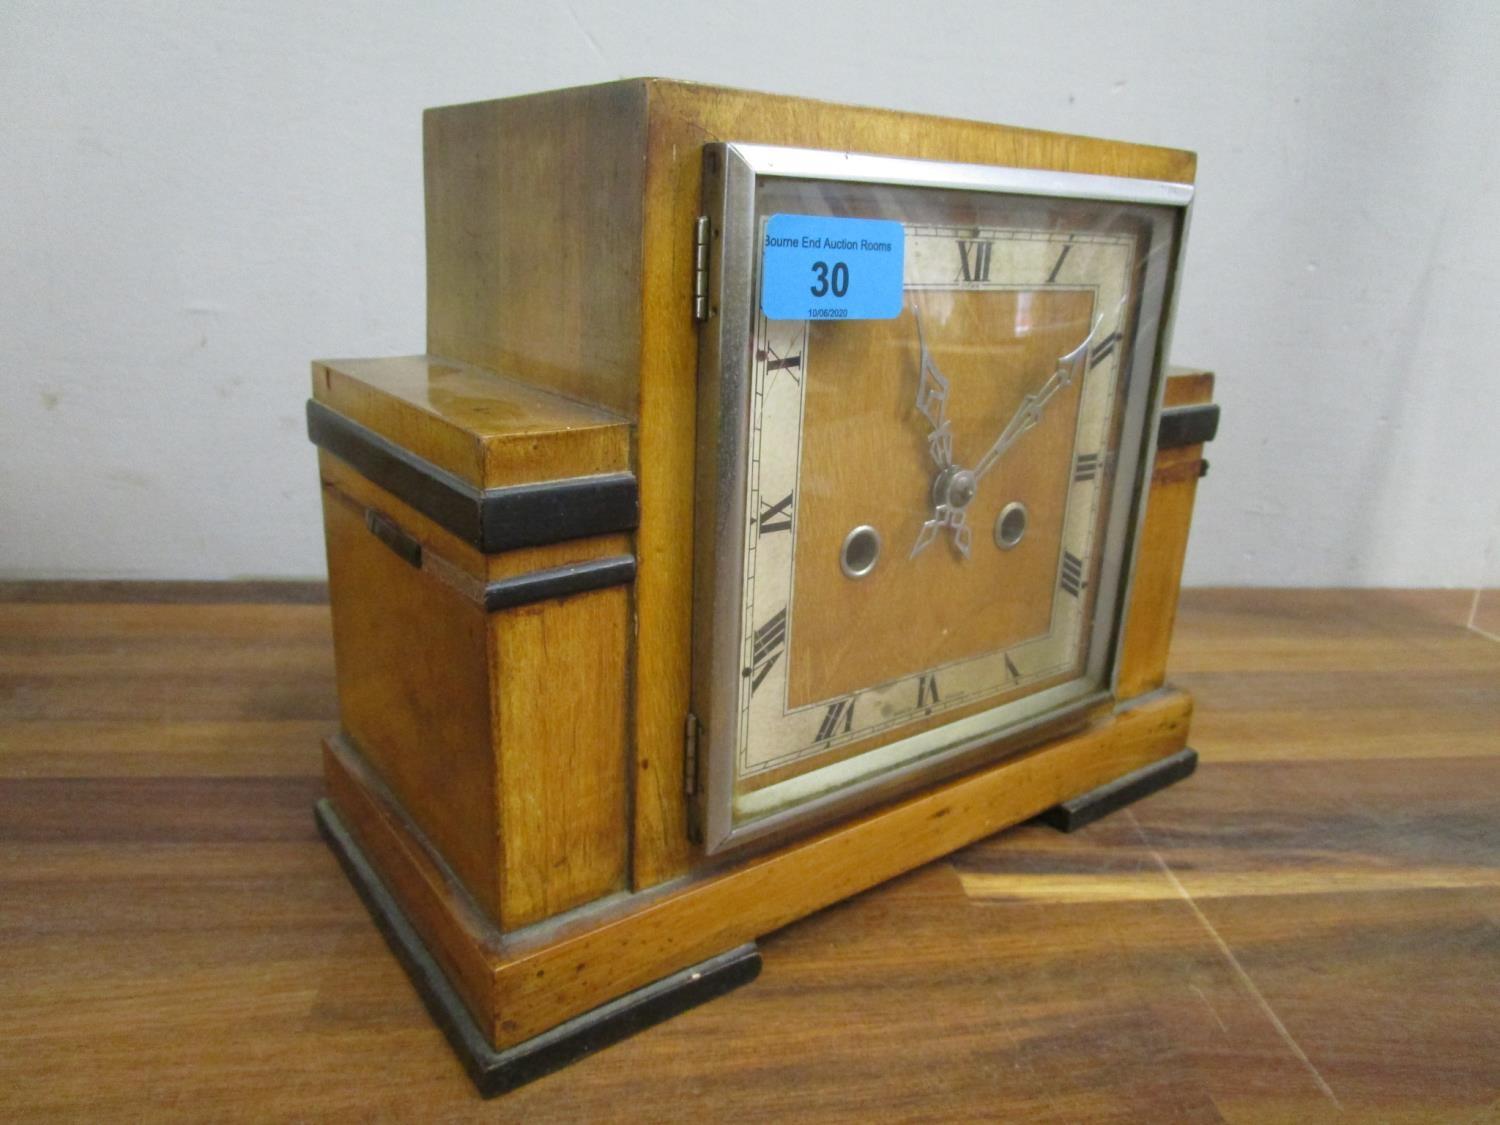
[{"x": 1069, "y": 367}]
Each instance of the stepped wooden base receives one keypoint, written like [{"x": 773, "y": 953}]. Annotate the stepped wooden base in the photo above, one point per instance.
[
  {"x": 496, "y": 1072},
  {"x": 518, "y": 985}
]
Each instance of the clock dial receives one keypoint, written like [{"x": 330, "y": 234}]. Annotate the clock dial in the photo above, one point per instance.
[
  {"x": 935, "y": 506},
  {"x": 1020, "y": 327}
]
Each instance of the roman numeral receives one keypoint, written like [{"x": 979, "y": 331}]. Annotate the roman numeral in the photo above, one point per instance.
[
  {"x": 770, "y": 638},
  {"x": 839, "y": 712},
  {"x": 1086, "y": 467},
  {"x": 1011, "y": 669},
  {"x": 927, "y": 691},
  {"x": 1061, "y": 258},
  {"x": 974, "y": 260},
  {"x": 791, "y": 364},
  {"x": 769, "y": 514},
  {"x": 1072, "y": 574},
  {"x": 1103, "y": 350}
]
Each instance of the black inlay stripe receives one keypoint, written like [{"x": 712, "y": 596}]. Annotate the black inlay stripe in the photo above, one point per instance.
[
  {"x": 496, "y": 519},
  {"x": 529, "y": 515},
  {"x": 1187, "y": 425},
  {"x": 437, "y": 494},
  {"x": 559, "y": 582}
]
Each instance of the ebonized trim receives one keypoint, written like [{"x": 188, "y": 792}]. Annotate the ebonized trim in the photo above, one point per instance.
[
  {"x": 1187, "y": 425},
  {"x": 1084, "y": 809},
  {"x": 529, "y": 515},
  {"x": 406, "y": 547},
  {"x": 496, "y": 1072},
  {"x": 495, "y": 519},
  {"x": 559, "y": 582}
]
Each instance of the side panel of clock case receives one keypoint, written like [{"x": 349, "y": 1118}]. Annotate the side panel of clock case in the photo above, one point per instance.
[
  {"x": 1152, "y": 609},
  {"x": 413, "y": 684},
  {"x": 534, "y": 238},
  {"x": 497, "y": 734}
]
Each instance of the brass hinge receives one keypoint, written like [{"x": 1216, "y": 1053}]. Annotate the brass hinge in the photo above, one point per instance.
[
  {"x": 700, "y": 268},
  {"x": 690, "y": 756}
]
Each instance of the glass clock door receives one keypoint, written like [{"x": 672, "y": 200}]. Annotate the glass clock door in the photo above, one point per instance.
[{"x": 927, "y": 393}]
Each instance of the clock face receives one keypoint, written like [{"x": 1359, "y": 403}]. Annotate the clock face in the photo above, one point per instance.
[{"x": 931, "y": 509}]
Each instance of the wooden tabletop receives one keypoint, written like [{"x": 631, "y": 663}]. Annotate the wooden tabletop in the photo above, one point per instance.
[{"x": 1309, "y": 928}]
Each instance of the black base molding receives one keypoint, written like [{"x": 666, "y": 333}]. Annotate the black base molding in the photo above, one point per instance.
[
  {"x": 495, "y": 1072},
  {"x": 1124, "y": 790}
]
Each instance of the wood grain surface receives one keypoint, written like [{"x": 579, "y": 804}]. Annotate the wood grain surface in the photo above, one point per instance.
[
  {"x": 424, "y": 697},
  {"x": 486, "y": 428},
  {"x": 564, "y": 831},
  {"x": 1164, "y": 537},
  {"x": 533, "y": 238},
  {"x": 414, "y": 688},
  {"x": 1308, "y": 929}
]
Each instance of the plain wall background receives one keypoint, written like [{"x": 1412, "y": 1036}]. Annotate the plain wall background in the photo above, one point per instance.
[{"x": 197, "y": 198}]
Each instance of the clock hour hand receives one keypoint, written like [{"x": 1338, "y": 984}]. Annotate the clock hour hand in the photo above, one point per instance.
[
  {"x": 944, "y": 515},
  {"x": 1069, "y": 367},
  {"x": 932, "y": 401},
  {"x": 932, "y": 404}
]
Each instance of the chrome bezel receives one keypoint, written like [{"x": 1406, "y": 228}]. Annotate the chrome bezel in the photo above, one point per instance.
[{"x": 731, "y": 172}]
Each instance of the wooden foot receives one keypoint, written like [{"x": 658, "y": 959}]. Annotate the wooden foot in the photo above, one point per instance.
[
  {"x": 1084, "y": 809},
  {"x": 497, "y": 1071}
]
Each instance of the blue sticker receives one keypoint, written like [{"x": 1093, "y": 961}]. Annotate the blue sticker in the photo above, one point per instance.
[{"x": 819, "y": 268}]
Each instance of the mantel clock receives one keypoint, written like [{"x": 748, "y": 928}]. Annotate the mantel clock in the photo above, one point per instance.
[{"x": 790, "y": 494}]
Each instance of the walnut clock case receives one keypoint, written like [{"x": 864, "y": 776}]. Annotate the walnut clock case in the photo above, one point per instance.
[{"x": 791, "y": 494}]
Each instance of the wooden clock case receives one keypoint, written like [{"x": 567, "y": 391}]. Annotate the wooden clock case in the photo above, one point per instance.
[{"x": 509, "y": 527}]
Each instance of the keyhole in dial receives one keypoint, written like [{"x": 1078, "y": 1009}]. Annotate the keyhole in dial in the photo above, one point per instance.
[
  {"x": 1010, "y": 525},
  {"x": 860, "y": 552}
]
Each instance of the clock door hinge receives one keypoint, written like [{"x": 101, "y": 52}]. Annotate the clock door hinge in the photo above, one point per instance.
[
  {"x": 700, "y": 268},
  {"x": 690, "y": 756}
]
